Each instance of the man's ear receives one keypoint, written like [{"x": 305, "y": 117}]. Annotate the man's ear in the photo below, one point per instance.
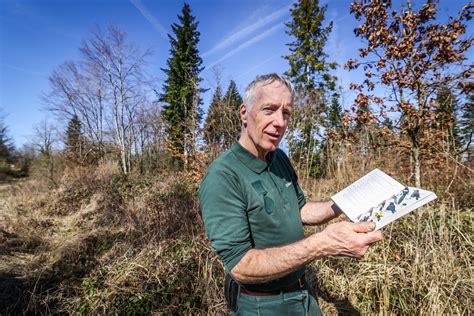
[{"x": 243, "y": 113}]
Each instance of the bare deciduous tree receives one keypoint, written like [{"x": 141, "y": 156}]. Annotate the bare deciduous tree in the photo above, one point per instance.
[{"x": 106, "y": 90}]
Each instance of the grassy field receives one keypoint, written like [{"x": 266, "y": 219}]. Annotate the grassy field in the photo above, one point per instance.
[{"x": 105, "y": 243}]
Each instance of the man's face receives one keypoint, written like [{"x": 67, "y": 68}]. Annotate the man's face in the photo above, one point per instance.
[{"x": 267, "y": 120}]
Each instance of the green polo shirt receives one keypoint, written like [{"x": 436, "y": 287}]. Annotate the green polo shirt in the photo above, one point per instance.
[{"x": 248, "y": 203}]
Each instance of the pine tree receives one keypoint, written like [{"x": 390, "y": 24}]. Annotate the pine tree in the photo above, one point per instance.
[
  {"x": 213, "y": 126},
  {"x": 446, "y": 108},
  {"x": 181, "y": 90},
  {"x": 222, "y": 125},
  {"x": 466, "y": 124},
  {"x": 308, "y": 66},
  {"x": 334, "y": 116},
  {"x": 232, "y": 101},
  {"x": 6, "y": 144},
  {"x": 310, "y": 73},
  {"x": 74, "y": 142},
  {"x": 331, "y": 148}
]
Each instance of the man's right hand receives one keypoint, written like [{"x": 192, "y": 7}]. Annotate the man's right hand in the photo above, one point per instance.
[
  {"x": 348, "y": 239},
  {"x": 343, "y": 238}
]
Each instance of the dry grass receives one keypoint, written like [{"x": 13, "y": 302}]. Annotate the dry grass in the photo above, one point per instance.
[
  {"x": 104, "y": 243},
  {"x": 423, "y": 266}
]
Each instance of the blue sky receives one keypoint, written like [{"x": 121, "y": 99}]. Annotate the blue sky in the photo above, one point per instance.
[{"x": 242, "y": 38}]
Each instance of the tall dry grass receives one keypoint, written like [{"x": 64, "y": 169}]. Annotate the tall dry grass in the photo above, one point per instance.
[
  {"x": 424, "y": 264},
  {"x": 103, "y": 242},
  {"x": 106, "y": 243}
]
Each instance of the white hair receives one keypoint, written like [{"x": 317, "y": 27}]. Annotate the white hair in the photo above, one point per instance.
[{"x": 263, "y": 80}]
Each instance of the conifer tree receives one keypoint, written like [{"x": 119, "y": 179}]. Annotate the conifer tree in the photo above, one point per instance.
[
  {"x": 181, "y": 91},
  {"x": 74, "y": 140},
  {"x": 6, "y": 144},
  {"x": 222, "y": 125},
  {"x": 309, "y": 68},
  {"x": 213, "y": 126},
  {"x": 466, "y": 124},
  {"x": 334, "y": 116},
  {"x": 232, "y": 101},
  {"x": 310, "y": 73},
  {"x": 446, "y": 108}
]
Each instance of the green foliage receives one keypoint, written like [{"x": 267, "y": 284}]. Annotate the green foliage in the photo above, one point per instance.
[
  {"x": 309, "y": 69},
  {"x": 334, "y": 116},
  {"x": 74, "y": 141},
  {"x": 6, "y": 150},
  {"x": 446, "y": 109},
  {"x": 213, "y": 127},
  {"x": 466, "y": 121},
  {"x": 303, "y": 141},
  {"x": 181, "y": 90},
  {"x": 223, "y": 120},
  {"x": 311, "y": 74},
  {"x": 232, "y": 101}
]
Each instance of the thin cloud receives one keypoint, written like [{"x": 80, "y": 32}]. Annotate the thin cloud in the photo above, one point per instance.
[
  {"x": 252, "y": 41},
  {"x": 238, "y": 36},
  {"x": 24, "y": 70},
  {"x": 150, "y": 18}
]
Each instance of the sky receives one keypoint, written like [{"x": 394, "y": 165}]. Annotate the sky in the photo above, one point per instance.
[{"x": 240, "y": 38}]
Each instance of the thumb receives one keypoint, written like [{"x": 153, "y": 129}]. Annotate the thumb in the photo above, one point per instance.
[{"x": 364, "y": 227}]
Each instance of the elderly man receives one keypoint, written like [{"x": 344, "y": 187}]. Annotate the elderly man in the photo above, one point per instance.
[{"x": 254, "y": 212}]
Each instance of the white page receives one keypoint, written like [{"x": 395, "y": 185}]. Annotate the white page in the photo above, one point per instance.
[{"x": 365, "y": 193}]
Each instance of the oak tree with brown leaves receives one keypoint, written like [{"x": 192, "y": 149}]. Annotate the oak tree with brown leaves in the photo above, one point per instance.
[{"x": 412, "y": 55}]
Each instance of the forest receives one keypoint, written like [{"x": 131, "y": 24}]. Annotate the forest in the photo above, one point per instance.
[{"x": 99, "y": 213}]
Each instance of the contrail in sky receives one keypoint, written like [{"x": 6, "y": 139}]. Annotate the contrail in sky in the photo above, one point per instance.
[
  {"x": 153, "y": 21},
  {"x": 248, "y": 43},
  {"x": 232, "y": 39},
  {"x": 24, "y": 70}
]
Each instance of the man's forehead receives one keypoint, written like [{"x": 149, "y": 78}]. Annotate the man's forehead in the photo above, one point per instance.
[{"x": 275, "y": 91}]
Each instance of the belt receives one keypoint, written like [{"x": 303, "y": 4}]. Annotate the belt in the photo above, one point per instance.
[{"x": 298, "y": 285}]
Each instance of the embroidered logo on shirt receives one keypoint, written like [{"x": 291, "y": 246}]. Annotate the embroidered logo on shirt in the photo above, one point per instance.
[{"x": 288, "y": 184}]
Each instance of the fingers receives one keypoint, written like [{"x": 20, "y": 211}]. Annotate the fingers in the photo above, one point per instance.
[
  {"x": 361, "y": 252},
  {"x": 374, "y": 236},
  {"x": 363, "y": 227},
  {"x": 368, "y": 227}
]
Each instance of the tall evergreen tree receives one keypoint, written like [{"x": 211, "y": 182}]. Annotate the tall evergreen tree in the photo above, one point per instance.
[
  {"x": 213, "y": 126},
  {"x": 446, "y": 108},
  {"x": 222, "y": 125},
  {"x": 309, "y": 68},
  {"x": 232, "y": 102},
  {"x": 310, "y": 73},
  {"x": 466, "y": 123},
  {"x": 334, "y": 116},
  {"x": 6, "y": 144},
  {"x": 181, "y": 92},
  {"x": 74, "y": 141}
]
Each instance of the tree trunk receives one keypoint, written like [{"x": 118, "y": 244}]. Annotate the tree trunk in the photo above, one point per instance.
[{"x": 415, "y": 154}]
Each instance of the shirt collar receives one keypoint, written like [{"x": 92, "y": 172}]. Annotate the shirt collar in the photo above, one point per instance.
[{"x": 251, "y": 161}]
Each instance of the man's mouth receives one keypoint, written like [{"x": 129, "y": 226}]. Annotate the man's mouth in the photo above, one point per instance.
[{"x": 273, "y": 136}]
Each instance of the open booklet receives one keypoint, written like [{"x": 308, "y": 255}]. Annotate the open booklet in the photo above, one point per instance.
[{"x": 379, "y": 198}]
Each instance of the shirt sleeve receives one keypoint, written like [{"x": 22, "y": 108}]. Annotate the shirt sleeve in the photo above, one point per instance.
[
  {"x": 224, "y": 213},
  {"x": 300, "y": 196}
]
